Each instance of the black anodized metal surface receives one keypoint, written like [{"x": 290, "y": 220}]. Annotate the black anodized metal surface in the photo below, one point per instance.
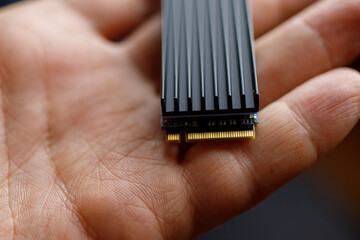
[{"x": 208, "y": 62}]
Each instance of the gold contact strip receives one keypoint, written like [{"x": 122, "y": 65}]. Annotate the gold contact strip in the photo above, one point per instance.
[
  {"x": 193, "y": 137},
  {"x": 173, "y": 138}
]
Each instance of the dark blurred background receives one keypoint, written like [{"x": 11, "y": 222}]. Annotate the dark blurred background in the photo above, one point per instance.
[
  {"x": 323, "y": 203},
  {"x": 5, "y": 2}
]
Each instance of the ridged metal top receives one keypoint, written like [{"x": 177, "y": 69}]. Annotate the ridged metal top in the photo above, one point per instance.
[{"x": 208, "y": 61}]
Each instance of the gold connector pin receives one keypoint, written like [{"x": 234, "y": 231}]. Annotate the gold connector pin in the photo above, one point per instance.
[
  {"x": 173, "y": 138},
  {"x": 231, "y": 135}
]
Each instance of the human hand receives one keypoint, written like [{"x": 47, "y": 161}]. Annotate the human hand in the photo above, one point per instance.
[{"x": 82, "y": 152}]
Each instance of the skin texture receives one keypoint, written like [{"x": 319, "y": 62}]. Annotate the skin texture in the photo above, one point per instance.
[{"x": 82, "y": 155}]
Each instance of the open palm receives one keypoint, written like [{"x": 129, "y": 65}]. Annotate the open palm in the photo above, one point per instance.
[{"x": 82, "y": 154}]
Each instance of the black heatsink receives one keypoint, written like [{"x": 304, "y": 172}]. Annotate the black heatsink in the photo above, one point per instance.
[{"x": 208, "y": 62}]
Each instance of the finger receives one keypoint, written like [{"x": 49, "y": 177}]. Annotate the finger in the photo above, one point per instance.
[
  {"x": 227, "y": 179},
  {"x": 144, "y": 48},
  {"x": 267, "y": 14},
  {"x": 115, "y": 18},
  {"x": 324, "y": 37}
]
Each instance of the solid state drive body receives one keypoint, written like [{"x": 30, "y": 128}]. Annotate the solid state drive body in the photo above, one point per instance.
[{"x": 209, "y": 86}]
